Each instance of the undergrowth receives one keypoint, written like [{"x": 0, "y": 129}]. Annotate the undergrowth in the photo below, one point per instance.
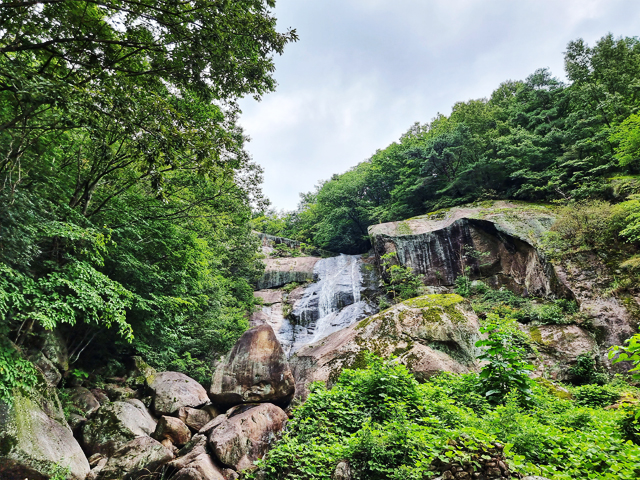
[{"x": 388, "y": 426}]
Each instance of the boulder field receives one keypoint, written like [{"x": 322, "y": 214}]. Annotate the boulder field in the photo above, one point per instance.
[{"x": 170, "y": 425}]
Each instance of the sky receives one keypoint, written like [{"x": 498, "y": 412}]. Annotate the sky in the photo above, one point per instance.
[{"x": 364, "y": 71}]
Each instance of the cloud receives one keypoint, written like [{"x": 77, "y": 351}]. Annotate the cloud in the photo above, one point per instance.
[{"x": 365, "y": 70}]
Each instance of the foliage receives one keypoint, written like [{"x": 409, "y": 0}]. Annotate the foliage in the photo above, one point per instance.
[
  {"x": 398, "y": 436},
  {"x": 587, "y": 225},
  {"x": 586, "y": 371},
  {"x": 627, "y": 136},
  {"x": 505, "y": 370},
  {"x": 628, "y": 353},
  {"x": 525, "y": 310},
  {"x": 16, "y": 372},
  {"x": 630, "y": 425},
  {"x": 595, "y": 395},
  {"x": 399, "y": 280},
  {"x": 125, "y": 189}
]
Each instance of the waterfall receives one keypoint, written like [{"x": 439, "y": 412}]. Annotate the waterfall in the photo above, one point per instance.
[{"x": 332, "y": 302}]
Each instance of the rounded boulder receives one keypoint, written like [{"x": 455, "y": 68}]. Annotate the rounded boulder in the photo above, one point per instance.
[{"x": 256, "y": 370}]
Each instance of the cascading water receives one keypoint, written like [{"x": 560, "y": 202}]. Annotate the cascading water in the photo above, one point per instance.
[{"x": 333, "y": 302}]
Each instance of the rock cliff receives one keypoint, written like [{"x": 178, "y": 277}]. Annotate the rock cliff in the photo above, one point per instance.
[{"x": 502, "y": 244}]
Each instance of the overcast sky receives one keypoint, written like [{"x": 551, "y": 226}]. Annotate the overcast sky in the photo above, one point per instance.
[{"x": 364, "y": 71}]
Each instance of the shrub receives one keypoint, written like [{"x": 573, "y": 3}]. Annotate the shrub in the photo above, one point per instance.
[
  {"x": 586, "y": 225},
  {"x": 505, "y": 369},
  {"x": 595, "y": 395},
  {"x": 400, "y": 281},
  {"x": 586, "y": 371}
]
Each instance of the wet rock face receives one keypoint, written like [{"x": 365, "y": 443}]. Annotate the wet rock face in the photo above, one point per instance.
[
  {"x": 34, "y": 439},
  {"x": 172, "y": 390},
  {"x": 335, "y": 300},
  {"x": 256, "y": 370},
  {"x": 442, "y": 254},
  {"x": 280, "y": 271},
  {"x": 429, "y": 334},
  {"x": 246, "y": 433}
]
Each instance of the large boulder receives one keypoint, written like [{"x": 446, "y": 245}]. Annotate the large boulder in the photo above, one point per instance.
[
  {"x": 114, "y": 425},
  {"x": 428, "y": 334},
  {"x": 559, "y": 347},
  {"x": 54, "y": 347},
  {"x": 141, "y": 457},
  {"x": 246, "y": 433},
  {"x": 172, "y": 390},
  {"x": 256, "y": 370},
  {"x": 35, "y": 439},
  {"x": 49, "y": 371},
  {"x": 173, "y": 429}
]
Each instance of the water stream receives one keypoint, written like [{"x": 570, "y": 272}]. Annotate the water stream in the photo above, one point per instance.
[{"x": 333, "y": 302}]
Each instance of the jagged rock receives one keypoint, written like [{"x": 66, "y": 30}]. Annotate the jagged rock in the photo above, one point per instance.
[
  {"x": 140, "y": 456},
  {"x": 342, "y": 471},
  {"x": 429, "y": 334},
  {"x": 559, "y": 346},
  {"x": 256, "y": 370},
  {"x": 119, "y": 392},
  {"x": 35, "y": 439},
  {"x": 193, "y": 448},
  {"x": 83, "y": 399},
  {"x": 172, "y": 428},
  {"x": 49, "y": 371},
  {"x": 54, "y": 347},
  {"x": 115, "y": 424},
  {"x": 194, "y": 418},
  {"x": 280, "y": 271},
  {"x": 246, "y": 434},
  {"x": 172, "y": 390},
  {"x": 97, "y": 467},
  {"x": 201, "y": 468}
]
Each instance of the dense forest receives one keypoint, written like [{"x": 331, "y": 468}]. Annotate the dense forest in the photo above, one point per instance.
[
  {"x": 537, "y": 140},
  {"x": 133, "y": 342},
  {"x": 125, "y": 189}
]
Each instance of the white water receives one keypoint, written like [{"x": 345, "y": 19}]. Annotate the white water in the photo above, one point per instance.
[{"x": 330, "y": 304}]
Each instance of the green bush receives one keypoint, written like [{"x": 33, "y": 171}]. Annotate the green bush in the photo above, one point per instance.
[
  {"x": 505, "y": 370},
  {"x": 586, "y": 371},
  {"x": 595, "y": 395}
]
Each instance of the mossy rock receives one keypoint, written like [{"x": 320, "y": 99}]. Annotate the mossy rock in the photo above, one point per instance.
[{"x": 553, "y": 389}]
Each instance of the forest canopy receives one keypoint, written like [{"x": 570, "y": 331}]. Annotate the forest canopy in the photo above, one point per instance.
[
  {"x": 537, "y": 140},
  {"x": 125, "y": 189}
]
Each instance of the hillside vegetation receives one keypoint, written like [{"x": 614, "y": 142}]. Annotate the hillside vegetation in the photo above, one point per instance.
[{"x": 537, "y": 139}]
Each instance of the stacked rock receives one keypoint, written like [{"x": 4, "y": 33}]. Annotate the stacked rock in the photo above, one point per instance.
[{"x": 485, "y": 463}]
